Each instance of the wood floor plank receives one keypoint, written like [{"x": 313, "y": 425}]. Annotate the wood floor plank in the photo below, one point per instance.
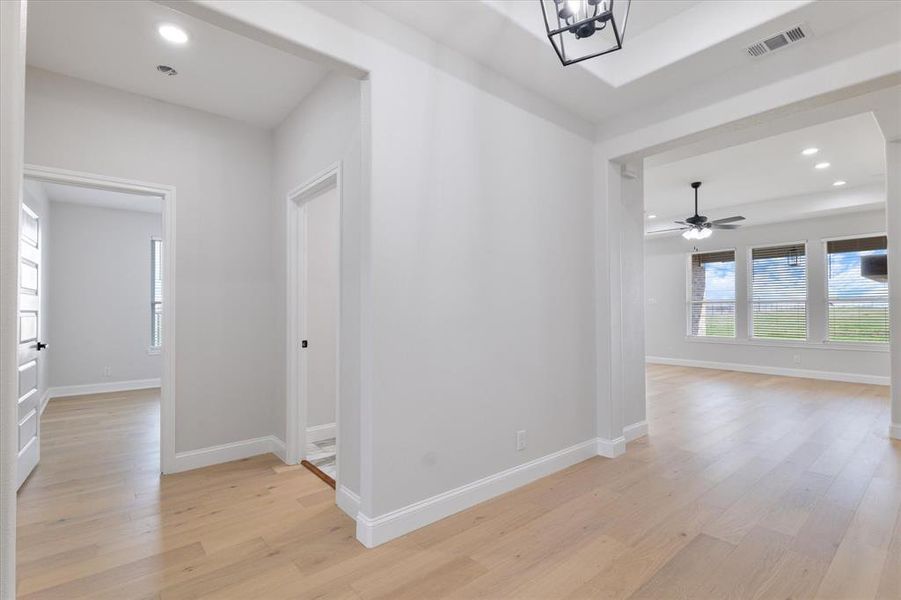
[
  {"x": 748, "y": 486},
  {"x": 687, "y": 571}
]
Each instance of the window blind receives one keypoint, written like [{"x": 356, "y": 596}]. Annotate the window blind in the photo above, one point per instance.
[
  {"x": 156, "y": 292},
  {"x": 858, "y": 306},
  {"x": 779, "y": 292},
  {"x": 711, "y": 306}
]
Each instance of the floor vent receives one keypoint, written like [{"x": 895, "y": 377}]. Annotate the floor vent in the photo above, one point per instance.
[{"x": 778, "y": 41}]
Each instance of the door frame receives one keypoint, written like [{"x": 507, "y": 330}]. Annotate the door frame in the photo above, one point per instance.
[
  {"x": 296, "y": 252},
  {"x": 167, "y": 193}
]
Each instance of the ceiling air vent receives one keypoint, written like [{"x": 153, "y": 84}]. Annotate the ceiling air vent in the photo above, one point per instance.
[{"x": 778, "y": 41}]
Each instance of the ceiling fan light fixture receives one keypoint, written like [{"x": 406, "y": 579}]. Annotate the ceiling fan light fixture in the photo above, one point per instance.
[
  {"x": 583, "y": 29},
  {"x": 699, "y": 227}
]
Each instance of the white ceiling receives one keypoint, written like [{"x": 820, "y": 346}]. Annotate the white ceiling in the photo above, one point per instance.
[
  {"x": 771, "y": 173},
  {"x": 115, "y": 43},
  {"x": 677, "y": 55},
  {"x": 72, "y": 194}
]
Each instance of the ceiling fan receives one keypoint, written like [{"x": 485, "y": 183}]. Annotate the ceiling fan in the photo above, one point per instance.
[{"x": 697, "y": 227}]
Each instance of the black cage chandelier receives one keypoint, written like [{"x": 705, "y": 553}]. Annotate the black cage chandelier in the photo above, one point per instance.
[{"x": 583, "y": 29}]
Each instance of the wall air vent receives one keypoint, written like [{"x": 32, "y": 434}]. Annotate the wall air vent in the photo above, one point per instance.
[{"x": 778, "y": 41}]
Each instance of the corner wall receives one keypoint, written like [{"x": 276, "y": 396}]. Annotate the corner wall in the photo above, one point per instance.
[{"x": 477, "y": 284}]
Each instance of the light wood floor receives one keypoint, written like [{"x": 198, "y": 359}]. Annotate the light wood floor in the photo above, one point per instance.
[{"x": 749, "y": 487}]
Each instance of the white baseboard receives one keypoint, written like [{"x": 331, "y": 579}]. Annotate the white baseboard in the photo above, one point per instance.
[
  {"x": 763, "y": 370},
  {"x": 317, "y": 433},
  {"x": 43, "y": 404},
  {"x": 348, "y": 501},
  {"x": 223, "y": 453},
  {"x": 102, "y": 388},
  {"x": 611, "y": 448},
  {"x": 635, "y": 430},
  {"x": 894, "y": 431},
  {"x": 372, "y": 531}
]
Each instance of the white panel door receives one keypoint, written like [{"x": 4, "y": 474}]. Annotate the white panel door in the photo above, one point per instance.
[
  {"x": 30, "y": 346},
  {"x": 321, "y": 322}
]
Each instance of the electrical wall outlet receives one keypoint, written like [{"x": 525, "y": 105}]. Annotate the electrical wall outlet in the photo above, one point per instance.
[
  {"x": 521, "y": 439},
  {"x": 796, "y": 359},
  {"x": 107, "y": 371}
]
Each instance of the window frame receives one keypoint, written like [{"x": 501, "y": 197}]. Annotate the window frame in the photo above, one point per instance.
[
  {"x": 689, "y": 302},
  {"x": 154, "y": 240},
  {"x": 750, "y": 294},
  {"x": 845, "y": 344}
]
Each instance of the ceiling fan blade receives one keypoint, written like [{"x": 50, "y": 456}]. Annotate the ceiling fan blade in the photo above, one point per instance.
[
  {"x": 667, "y": 230},
  {"x": 721, "y": 226},
  {"x": 727, "y": 220},
  {"x": 680, "y": 222}
]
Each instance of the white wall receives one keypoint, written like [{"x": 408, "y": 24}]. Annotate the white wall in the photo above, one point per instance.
[
  {"x": 481, "y": 279},
  {"x": 323, "y": 129},
  {"x": 100, "y": 295},
  {"x": 665, "y": 281},
  {"x": 228, "y": 350},
  {"x": 35, "y": 198},
  {"x": 322, "y": 235}
]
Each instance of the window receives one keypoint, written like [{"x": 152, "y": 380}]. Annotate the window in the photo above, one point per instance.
[
  {"x": 779, "y": 292},
  {"x": 858, "y": 290},
  {"x": 156, "y": 292},
  {"x": 711, "y": 306}
]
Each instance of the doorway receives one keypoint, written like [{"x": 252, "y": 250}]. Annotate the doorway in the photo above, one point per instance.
[
  {"x": 314, "y": 293},
  {"x": 101, "y": 359}
]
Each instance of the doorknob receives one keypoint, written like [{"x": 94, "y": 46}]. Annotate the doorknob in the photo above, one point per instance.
[{"x": 40, "y": 346}]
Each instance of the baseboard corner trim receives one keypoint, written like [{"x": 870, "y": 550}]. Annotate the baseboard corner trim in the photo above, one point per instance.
[
  {"x": 635, "y": 430},
  {"x": 278, "y": 448},
  {"x": 44, "y": 400},
  {"x": 611, "y": 448},
  {"x": 374, "y": 531},
  {"x": 62, "y": 391},
  {"x": 223, "y": 453},
  {"x": 348, "y": 501},
  {"x": 765, "y": 370}
]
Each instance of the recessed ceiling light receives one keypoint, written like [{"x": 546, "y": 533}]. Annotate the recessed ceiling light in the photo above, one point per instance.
[
  {"x": 822, "y": 165},
  {"x": 652, "y": 216},
  {"x": 839, "y": 183},
  {"x": 810, "y": 151},
  {"x": 173, "y": 34}
]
